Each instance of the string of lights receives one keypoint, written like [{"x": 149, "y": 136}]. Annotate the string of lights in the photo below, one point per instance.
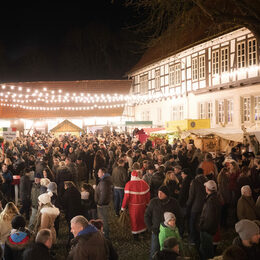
[
  {"x": 17, "y": 96},
  {"x": 62, "y": 108}
]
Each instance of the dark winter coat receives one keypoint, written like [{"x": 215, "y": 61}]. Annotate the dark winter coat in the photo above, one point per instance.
[
  {"x": 37, "y": 251},
  {"x": 25, "y": 188},
  {"x": 154, "y": 213},
  {"x": 252, "y": 252},
  {"x": 246, "y": 209},
  {"x": 71, "y": 203},
  {"x": 184, "y": 191},
  {"x": 197, "y": 194},
  {"x": 103, "y": 193},
  {"x": 173, "y": 188},
  {"x": 119, "y": 177},
  {"x": 81, "y": 171},
  {"x": 89, "y": 244},
  {"x": 63, "y": 175},
  {"x": 156, "y": 182},
  {"x": 165, "y": 254},
  {"x": 210, "y": 215},
  {"x": 35, "y": 193}
]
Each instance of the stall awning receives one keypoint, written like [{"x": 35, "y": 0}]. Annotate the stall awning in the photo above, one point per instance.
[
  {"x": 232, "y": 134},
  {"x": 153, "y": 130},
  {"x": 136, "y": 123}
]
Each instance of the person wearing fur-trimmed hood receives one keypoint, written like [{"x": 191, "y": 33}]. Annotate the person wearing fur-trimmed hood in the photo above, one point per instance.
[
  {"x": 47, "y": 213},
  {"x": 18, "y": 239}
]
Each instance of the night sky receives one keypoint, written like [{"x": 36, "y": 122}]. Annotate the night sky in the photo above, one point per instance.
[{"x": 68, "y": 41}]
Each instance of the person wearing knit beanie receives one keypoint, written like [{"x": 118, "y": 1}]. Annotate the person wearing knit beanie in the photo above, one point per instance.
[
  {"x": 52, "y": 186},
  {"x": 167, "y": 217},
  {"x": 247, "y": 229},
  {"x": 248, "y": 239},
  {"x": 44, "y": 198},
  {"x": 165, "y": 190}
]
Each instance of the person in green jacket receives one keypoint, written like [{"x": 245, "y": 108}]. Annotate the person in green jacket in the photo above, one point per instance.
[{"x": 168, "y": 229}]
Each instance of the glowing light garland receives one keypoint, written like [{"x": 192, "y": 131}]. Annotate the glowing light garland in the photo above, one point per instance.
[
  {"x": 17, "y": 96},
  {"x": 62, "y": 108}
]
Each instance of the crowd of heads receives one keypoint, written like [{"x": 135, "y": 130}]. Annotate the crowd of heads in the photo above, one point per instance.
[{"x": 61, "y": 164}]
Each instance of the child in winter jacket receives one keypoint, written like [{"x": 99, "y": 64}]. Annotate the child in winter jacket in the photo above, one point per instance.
[
  {"x": 87, "y": 201},
  {"x": 168, "y": 229}
]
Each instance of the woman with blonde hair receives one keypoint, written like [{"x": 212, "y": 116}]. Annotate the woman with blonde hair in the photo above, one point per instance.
[
  {"x": 44, "y": 184},
  {"x": 6, "y": 216},
  {"x": 172, "y": 183}
]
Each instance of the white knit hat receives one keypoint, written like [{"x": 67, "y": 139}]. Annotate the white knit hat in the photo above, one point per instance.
[{"x": 44, "y": 198}]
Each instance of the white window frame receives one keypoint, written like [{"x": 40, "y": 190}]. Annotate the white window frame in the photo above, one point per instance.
[
  {"x": 221, "y": 111},
  {"x": 241, "y": 54},
  {"x": 175, "y": 74},
  {"x": 252, "y": 52},
  {"x": 247, "y": 109},
  {"x": 174, "y": 113},
  {"x": 144, "y": 84},
  {"x": 257, "y": 108},
  {"x": 215, "y": 62},
  {"x": 195, "y": 69},
  {"x": 202, "y": 67},
  {"x": 201, "y": 110},
  {"x": 181, "y": 112},
  {"x": 230, "y": 111},
  {"x": 210, "y": 110},
  {"x": 157, "y": 80},
  {"x": 171, "y": 74},
  {"x": 224, "y": 59}
]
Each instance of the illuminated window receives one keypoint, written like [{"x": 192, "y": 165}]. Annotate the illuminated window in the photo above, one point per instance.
[
  {"x": 175, "y": 74},
  {"x": 221, "y": 112},
  {"x": 174, "y": 113},
  {"x": 241, "y": 57},
  {"x": 252, "y": 52},
  {"x": 215, "y": 62},
  {"x": 178, "y": 112},
  {"x": 224, "y": 60},
  {"x": 202, "y": 111},
  {"x": 195, "y": 69},
  {"x": 246, "y": 108},
  {"x": 202, "y": 67},
  {"x": 181, "y": 112},
  {"x": 157, "y": 80},
  {"x": 257, "y": 108},
  {"x": 230, "y": 110},
  {"x": 209, "y": 110},
  {"x": 144, "y": 84}
]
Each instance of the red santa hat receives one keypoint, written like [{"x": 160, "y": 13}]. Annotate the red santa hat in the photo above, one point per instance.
[{"x": 134, "y": 173}]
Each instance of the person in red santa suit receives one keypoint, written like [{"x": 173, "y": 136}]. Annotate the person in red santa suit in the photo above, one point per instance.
[{"x": 136, "y": 198}]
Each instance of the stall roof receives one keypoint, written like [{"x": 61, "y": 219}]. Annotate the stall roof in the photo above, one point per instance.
[{"x": 232, "y": 134}]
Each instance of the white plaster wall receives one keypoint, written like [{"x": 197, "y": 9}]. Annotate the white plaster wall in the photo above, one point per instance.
[{"x": 190, "y": 103}]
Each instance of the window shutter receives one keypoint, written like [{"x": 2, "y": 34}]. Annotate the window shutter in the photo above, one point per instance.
[
  {"x": 225, "y": 111},
  {"x": 242, "y": 109},
  {"x": 252, "y": 112},
  {"x": 216, "y": 111},
  {"x": 198, "y": 105}
]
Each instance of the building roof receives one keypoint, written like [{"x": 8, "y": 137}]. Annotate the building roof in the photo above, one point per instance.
[
  {"x": 66, "y": 126},
  {"x": 91, "y": 87},
  {"x": 186, "y": 32}
]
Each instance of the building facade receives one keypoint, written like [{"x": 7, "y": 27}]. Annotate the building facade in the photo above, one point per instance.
[{"x": 218, "y": 79}]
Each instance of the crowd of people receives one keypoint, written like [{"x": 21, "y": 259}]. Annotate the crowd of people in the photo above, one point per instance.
[{"x": 175, "y": 193}]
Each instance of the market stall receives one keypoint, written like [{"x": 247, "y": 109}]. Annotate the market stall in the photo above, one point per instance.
[{"x": 66, "y": 127}]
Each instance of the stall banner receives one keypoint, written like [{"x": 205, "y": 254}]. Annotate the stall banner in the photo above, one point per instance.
[
  {"x": 187, "y": 124},
  {"x": 9, "y": 134}
]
